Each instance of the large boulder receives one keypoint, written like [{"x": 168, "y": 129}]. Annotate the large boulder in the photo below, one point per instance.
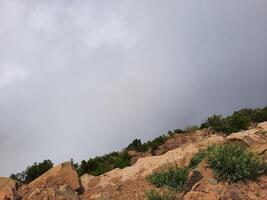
[
  {"x": 255, "y": 139},
  {"x": 60, "y": 182},
  {"x": 63, "y": 174},
  {"x": 8, "y": 189},
  {"x": 7, "y": 182},
  {"x": 86, "y": 179}
]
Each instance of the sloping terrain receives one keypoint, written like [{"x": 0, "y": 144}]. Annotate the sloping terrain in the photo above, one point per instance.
[{"x": 62, "y": 182}]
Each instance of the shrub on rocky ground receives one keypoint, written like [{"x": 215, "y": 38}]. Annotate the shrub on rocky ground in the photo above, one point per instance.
[
  {"x": 235, "y": 162},
  {"x": 174, "y": 177}
]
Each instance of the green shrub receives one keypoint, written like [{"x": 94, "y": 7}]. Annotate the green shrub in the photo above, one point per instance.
[
  {"x": 178, "y": 131},
  {"x": 102, "y": 164},
  {"x": 260, "y": 115},
  {"x": 239, "y": 120},
  {"x": 153, "y": 145},
  {"x": 174, "y": 177},
  {"x": 154, "y": 195},
  {"x": 216, "y": 122},
  {"x": 32, "y": 172},
  {"x": 197, "y": 158},
  {"x": 135, "y": 145},
  {"x": 234, "y": 162}
]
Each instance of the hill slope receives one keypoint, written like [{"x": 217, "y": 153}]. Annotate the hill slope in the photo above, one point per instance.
[{"x": 62, "y": 182}]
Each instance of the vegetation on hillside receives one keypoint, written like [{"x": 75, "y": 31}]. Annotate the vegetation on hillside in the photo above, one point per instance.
[
  {"x": 152, "y": 146},
  {"x": 234, "y": 162},
  {"x": 198, "y": 157},
  {"x": 174, "y": 177},
  {"x": 102, "y": 164},
  {"x": 33, "y": 171},
  {"x": 231, "y": 162},
  {"x": 239, "y": 120}
]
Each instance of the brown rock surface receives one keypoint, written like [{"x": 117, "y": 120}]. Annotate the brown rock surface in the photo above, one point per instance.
[
  {"x": 86, "y": 179},
  {"x": 7, "y": 182},
  {"x": 255, "y": 138},
  {"x": 50, "y": 184},
  {"x": 8, "y": 189}
]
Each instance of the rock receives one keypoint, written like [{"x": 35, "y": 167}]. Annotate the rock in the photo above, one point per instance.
[
  {"x": 9, "y": 193},
  {"x": 67, "y": 192},
  {"x": 36, "y": 192},
  {"x": 253, "y": 138},
  {"x": 235, "y": 195},
  {"x": 194, "y": 177},
  {"x": 8, "y": 189},
  {"x": 63, "y": 174},
  {"x": 54, "y": 184},
  {"x": 262, "y": 125},
  {"x": 86, "y": 179},
  {"x": 7, "y": 182},
  {"x": 200, "y": 196}
]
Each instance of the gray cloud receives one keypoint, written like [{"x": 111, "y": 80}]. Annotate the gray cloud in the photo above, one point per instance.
[{"x": 80, "y": 78}]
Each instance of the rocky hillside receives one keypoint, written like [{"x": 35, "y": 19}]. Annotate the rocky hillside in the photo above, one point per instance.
[{"x": 62, "y": 182}]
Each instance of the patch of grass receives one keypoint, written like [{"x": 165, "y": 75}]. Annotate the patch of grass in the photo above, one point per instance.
[
  {"x": 197, "y": 158},
  {"x": 174, "y": 177},
  {"x": 234, "y": 162},
  {"x": 154, "y": 195}
]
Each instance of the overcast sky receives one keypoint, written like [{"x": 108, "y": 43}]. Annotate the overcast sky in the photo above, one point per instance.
[{"x": 83, "y": 78}]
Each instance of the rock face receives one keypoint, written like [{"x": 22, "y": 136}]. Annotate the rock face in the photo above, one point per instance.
[
  {"x": 255, "y": 138},
  {"x": 7, "y": 182},
  {"x": 86, "y": 179},
  {"x": 8, "y": 189},
  {"x": 60, "y": 182}
]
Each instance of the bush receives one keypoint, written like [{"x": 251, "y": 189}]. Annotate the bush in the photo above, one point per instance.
[
  {"x": 102, "y": 164},
  {"x": 178, "y": 131},
  {"x": 135, "y": 145},
  {"x": 153, "y": 145},
  {"x": 156, "y": 143},
  {"x": 154, "y": 195},
  {"x": 216, "y": 122},
  {"x": 239, "y": 120},
  {"x": 234, "y": 162},
  {"x": 260, "y": 115},
  {"x": 33, "y": 172},
  {"x": 174, "y": 177}
]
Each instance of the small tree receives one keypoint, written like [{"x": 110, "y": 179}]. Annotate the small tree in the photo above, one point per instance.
[{"x": 32, "y": 172}]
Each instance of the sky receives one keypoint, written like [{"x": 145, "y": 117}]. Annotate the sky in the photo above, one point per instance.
[{"x": 84, "y": 78}]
